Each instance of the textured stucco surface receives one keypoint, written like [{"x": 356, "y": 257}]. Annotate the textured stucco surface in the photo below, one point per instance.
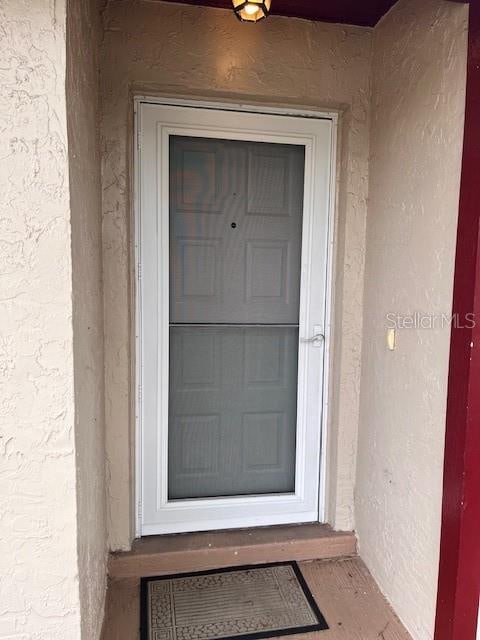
[
  {"x": 418, "y": 103},
  {"x": 83, "y": 37},
  {"x": 153, "y": 48},
  {"x": 39, "y": 591},
  {"x": 53, "y": 303}
]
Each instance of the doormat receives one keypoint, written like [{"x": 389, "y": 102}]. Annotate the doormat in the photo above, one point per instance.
[{"x": 238, "y": 603}]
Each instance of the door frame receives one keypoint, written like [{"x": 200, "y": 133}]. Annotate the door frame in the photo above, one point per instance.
[
  {"x": 457, "y": 616},
  {"x": 201, "y": 104}
]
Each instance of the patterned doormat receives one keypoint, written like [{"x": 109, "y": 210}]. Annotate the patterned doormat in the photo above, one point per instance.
[{"x": 238, "y": 603}]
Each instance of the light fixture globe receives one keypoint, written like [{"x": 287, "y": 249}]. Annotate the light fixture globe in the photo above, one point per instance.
[{"x": 251, "y": 10}]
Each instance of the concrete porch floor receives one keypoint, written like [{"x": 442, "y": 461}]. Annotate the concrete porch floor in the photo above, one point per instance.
[{"x": 343, "y": 588}]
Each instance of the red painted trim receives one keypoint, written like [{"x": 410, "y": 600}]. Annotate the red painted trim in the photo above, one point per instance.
[{"x": 459, "y": 577}]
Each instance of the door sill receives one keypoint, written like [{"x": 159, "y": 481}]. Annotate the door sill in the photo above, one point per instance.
[{"x": 188, "y": 552}]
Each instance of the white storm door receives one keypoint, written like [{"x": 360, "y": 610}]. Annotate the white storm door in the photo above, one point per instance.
[{"x": 233, "y": 228}]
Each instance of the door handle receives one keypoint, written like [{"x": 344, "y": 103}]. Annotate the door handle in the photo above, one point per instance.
[{"x": 317, "y": 339}]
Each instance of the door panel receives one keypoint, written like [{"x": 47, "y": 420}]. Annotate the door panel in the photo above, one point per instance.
[
  {"x": 235, "y": 231},
  {"x": 233, "y": 411}
]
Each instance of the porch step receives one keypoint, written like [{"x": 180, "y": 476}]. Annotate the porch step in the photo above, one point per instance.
[{"x": 187, "y": 552}]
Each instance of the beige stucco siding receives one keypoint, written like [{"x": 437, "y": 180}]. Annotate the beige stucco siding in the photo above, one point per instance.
[
  {"x": 155, "y": 48},
  {"x": 83, "y": 36},
  {"x": 38, "y": 545},
  {"x": 416, "y": 141},
  {"x": 52, "y": 477},
  {"x": 67, "y": 357}
]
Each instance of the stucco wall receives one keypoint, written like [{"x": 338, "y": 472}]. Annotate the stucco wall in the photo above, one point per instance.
[
  {"x": 38, "y": 548},
  {"x": 416, "y": 139},
  {"x": 83, "y": 37},
  {"x": 152, "y": 48}
]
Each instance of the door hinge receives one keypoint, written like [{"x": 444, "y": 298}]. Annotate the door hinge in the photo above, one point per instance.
[
  {"x": 139, "y": 271},
  {"x": 140, "y": 393},
  {"x": 139, "y": 509}
]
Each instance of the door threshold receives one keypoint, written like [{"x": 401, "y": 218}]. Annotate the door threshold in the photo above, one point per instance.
[{"x": 188, "y": 552}]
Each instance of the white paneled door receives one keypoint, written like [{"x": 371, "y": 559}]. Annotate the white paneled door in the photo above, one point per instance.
[{"x": 232, "y": 237}]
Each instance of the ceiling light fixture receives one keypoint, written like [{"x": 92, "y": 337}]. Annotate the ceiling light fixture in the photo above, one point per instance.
[{"x": 251, "y": 10}]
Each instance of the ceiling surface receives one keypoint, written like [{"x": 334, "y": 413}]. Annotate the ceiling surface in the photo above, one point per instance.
[{"x": 361, "y": 12}]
